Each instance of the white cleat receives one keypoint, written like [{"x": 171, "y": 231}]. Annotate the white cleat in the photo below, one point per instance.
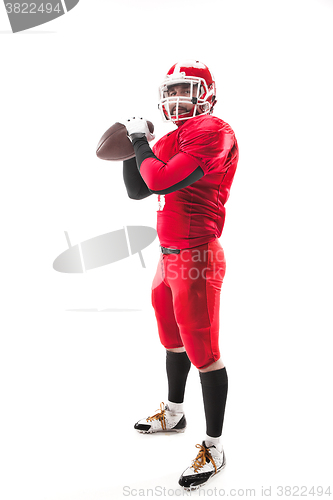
[
  {"x": 208, "y": 462},
  {"x": 163, "y": 421}
]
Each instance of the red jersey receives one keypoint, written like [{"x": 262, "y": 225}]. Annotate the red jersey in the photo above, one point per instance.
[{"x": 195, "y": 215}]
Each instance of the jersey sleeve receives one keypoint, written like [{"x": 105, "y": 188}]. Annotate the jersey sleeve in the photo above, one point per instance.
[{"x": 209, "y": 142}]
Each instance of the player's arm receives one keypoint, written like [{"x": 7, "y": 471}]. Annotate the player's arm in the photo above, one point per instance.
[
  {"x": 160, "y": 177},
  {"x": 136, "y": 187}
]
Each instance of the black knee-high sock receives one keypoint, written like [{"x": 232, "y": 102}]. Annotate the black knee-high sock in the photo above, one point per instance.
[
  {"x": 214, "y": 391},
  {"x": 177, "y": 366}
]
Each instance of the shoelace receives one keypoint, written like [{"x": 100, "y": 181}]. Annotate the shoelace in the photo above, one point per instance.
[
  {"x": 201, "y": 458},
  {"x": 159, "y": 416}
]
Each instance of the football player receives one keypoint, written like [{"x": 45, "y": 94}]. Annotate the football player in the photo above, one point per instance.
[{"x": 191, "y": 169}]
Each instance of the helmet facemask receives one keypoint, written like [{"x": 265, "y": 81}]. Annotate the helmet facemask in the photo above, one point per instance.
[{"x": 183, "y": 98}]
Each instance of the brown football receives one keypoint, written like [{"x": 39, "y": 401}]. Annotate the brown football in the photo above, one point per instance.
[{"x": 114, "y": 144}]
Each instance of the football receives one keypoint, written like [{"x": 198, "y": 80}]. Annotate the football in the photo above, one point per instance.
[{"x": 114, "y": 144}]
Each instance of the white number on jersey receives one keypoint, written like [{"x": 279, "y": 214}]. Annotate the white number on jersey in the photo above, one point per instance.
[{"x": 161, "y": 201}]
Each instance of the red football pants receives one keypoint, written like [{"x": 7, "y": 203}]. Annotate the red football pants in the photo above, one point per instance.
[{"x": 186, "y": 298}]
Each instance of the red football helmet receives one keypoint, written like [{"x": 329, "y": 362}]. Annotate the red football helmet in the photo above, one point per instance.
[{"x": 187, "y": 91}]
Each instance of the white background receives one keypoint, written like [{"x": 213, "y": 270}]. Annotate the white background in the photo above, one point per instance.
[{"x": 74, "y": 383}]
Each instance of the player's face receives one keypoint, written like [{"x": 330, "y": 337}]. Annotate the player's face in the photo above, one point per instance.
[{"x": 180, "y": 90}]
